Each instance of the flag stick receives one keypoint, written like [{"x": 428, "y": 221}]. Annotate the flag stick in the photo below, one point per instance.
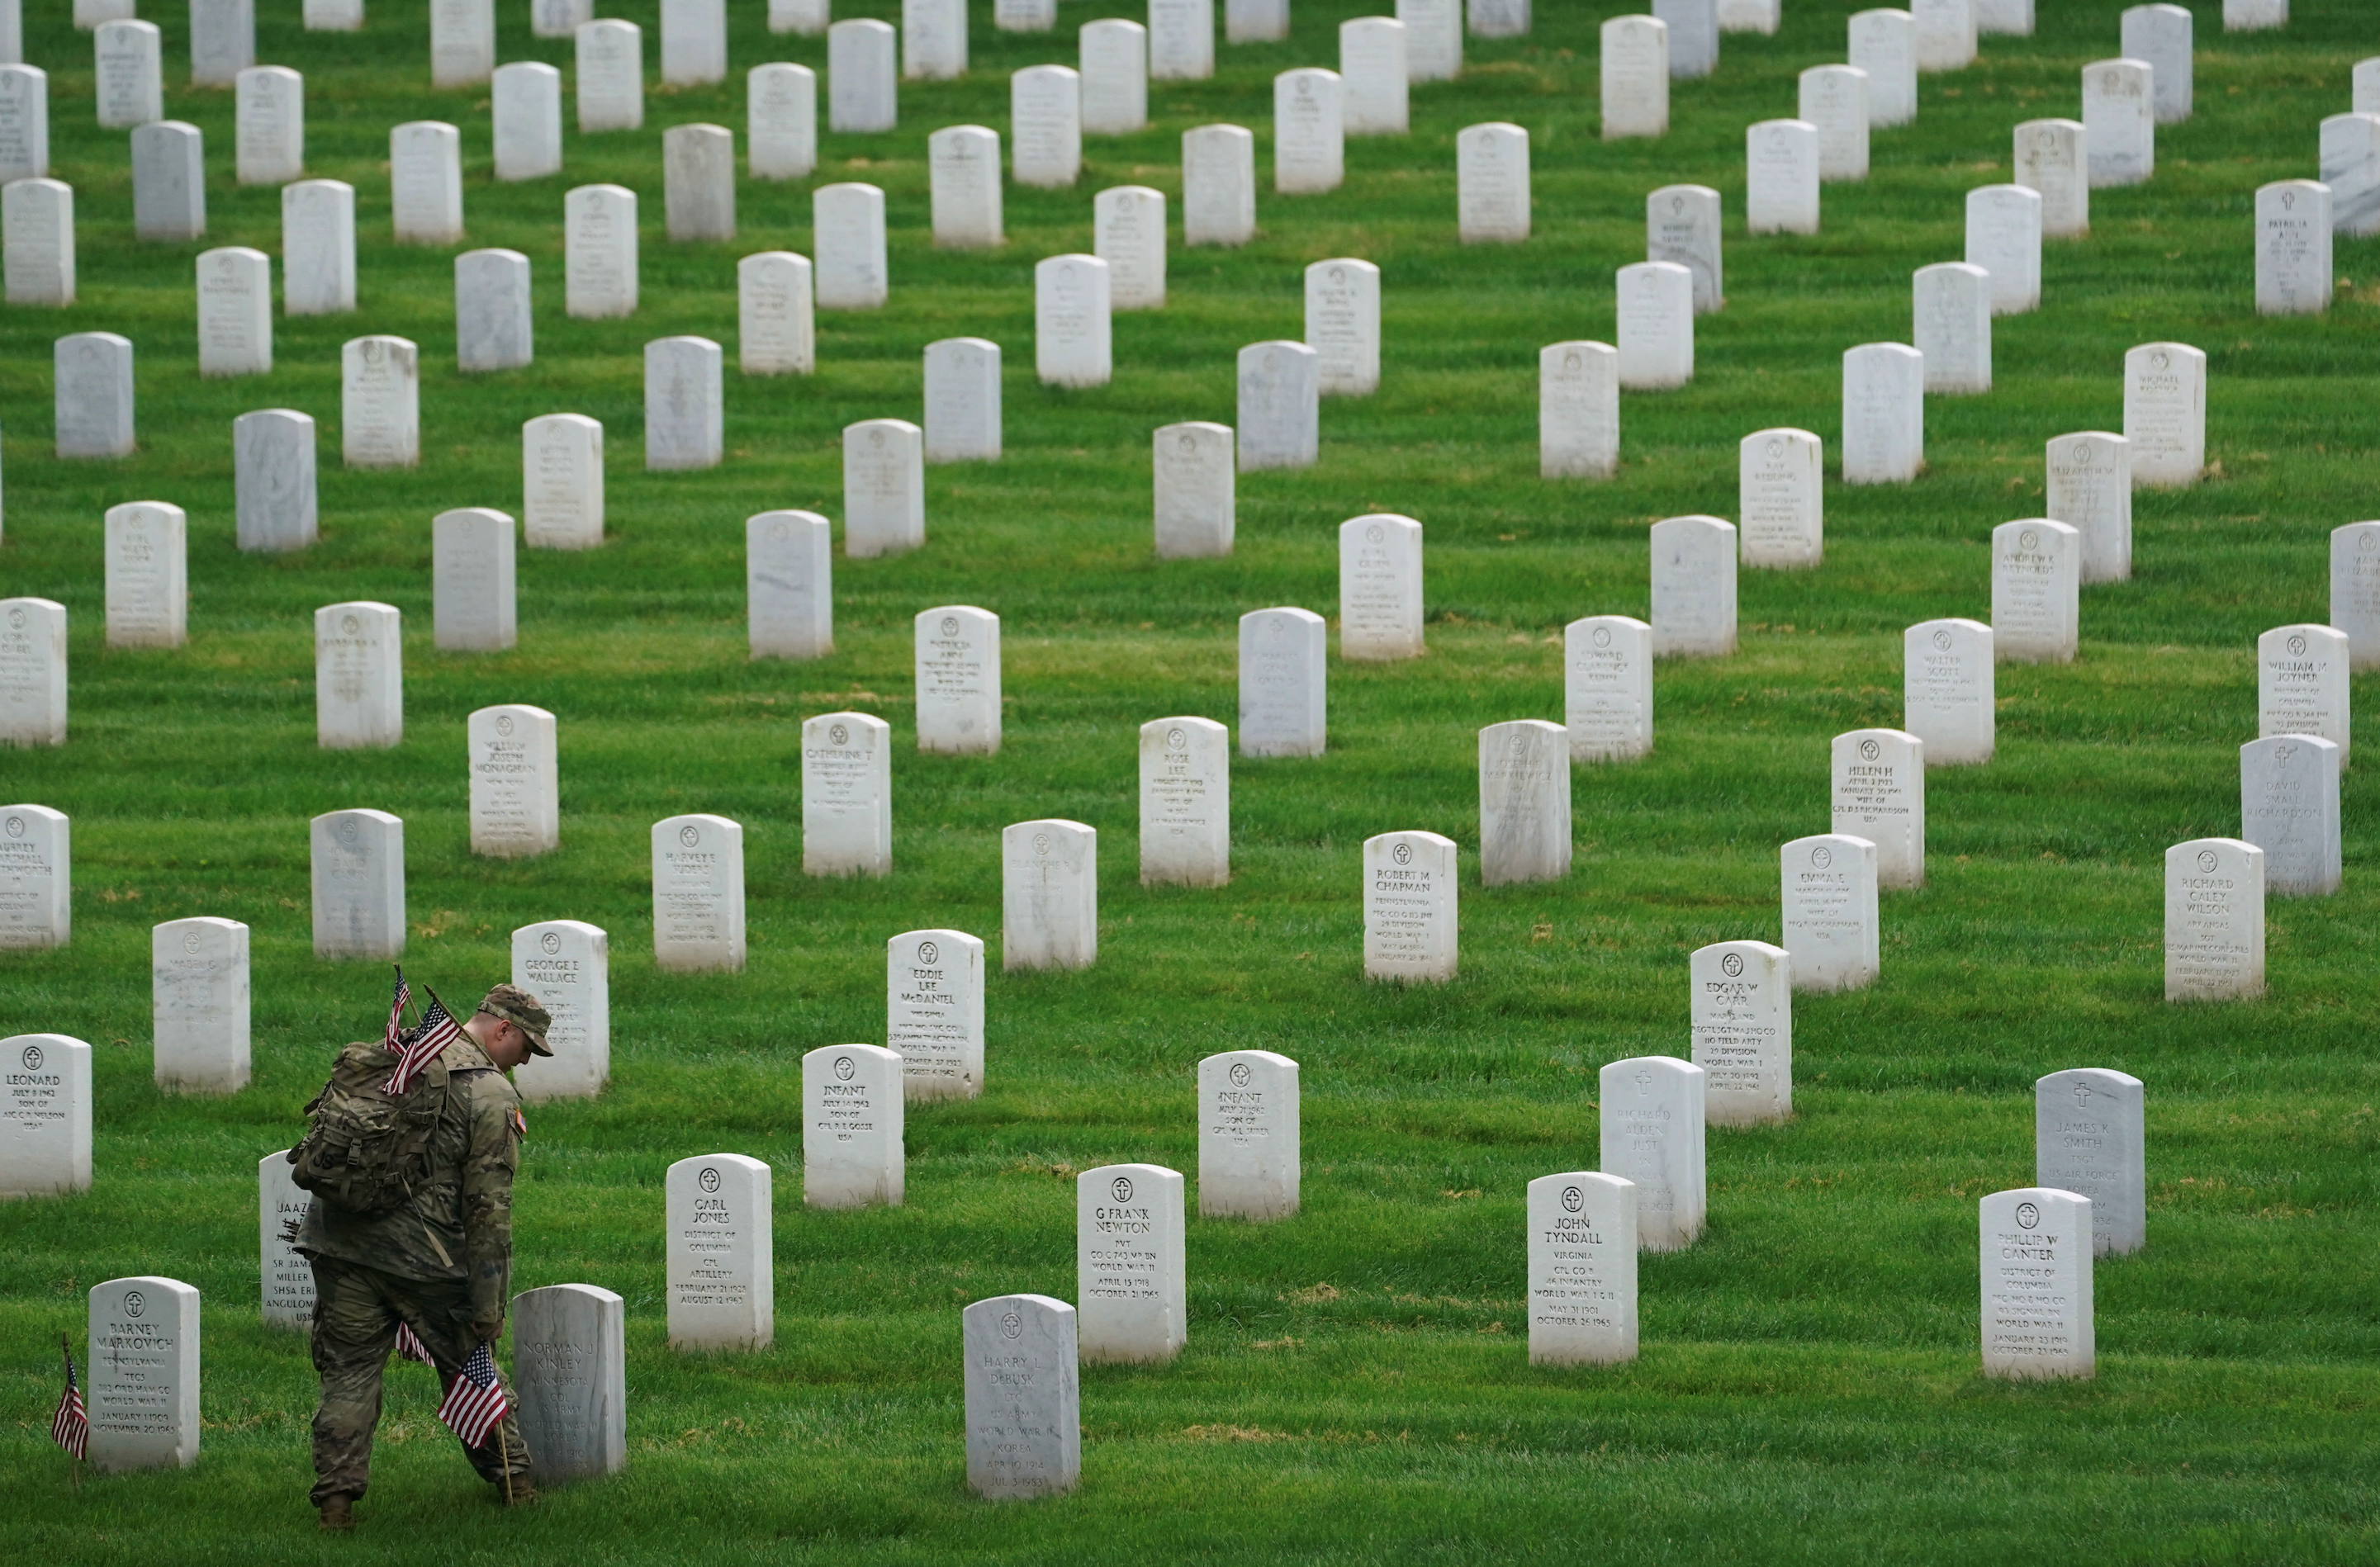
[{"x": 74, "y": 1474}]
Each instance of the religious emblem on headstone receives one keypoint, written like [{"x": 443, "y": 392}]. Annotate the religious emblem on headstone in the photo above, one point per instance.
[
  {"x": 839, "y": 734},
  {"x": 1240, "y": 1074},
  {"x": 1869, "y": 750},
  {"x": 2028, "y": 1216},
  {"x": 844, "y": 1068},
  {"x": 1821, "y": 857},
  {"x": 708, "y": 1179},
  {"x": 34, "y": 1058},
  {"x": 2206, "y": 859},
  {"x": 1732, "y": 964},
  {"x": 551, "y": 942},
  {"x": 928, "y": 951},
  {"x": 689, "y": 837},
  {"x": 1123, "y": 1188},
  {"x": 1573, "y": 1199},
  {"x": 1402, "y": 853}
]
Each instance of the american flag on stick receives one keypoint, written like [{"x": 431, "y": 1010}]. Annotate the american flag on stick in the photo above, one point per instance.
[
  {"x": 392, "y": 1039},
  {"x": 438, "y": 1031},
  {"x": 70, "y": 1428},
  {"x": 475, "y": 1401},
  {"x": 409, "y": 1346}
]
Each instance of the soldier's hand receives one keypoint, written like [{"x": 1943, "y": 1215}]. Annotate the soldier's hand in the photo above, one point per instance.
[
  {"x": 488, "y": 1332},
  {"x": 289, "y": 1231}
]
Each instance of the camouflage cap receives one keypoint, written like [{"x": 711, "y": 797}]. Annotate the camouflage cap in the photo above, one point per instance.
[{"x": 519, "y": 1008}]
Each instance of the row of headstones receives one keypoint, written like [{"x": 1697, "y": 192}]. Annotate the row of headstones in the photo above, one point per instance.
[{"x": 569, "y": 1390}]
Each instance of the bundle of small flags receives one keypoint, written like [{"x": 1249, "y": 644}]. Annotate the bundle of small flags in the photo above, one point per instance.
[
  {"x": 70, "y": 1428},
  {"x": 409, "y": 1346},
  {"x": 438, "y": 1031},
  {"x": 475, "y": 1401}
]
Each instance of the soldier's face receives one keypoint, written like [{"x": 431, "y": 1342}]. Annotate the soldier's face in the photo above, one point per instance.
[{"x": 503, "y": 1040}]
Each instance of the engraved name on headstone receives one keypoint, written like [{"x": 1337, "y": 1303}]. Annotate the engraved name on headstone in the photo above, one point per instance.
[
  {"x": 1128, "y": 1263},
  {"x": 1946, "y": 687},
  {"x": 1024, "y": 1398},
  {"x": 1578, "y": 410},
  {"x": 1524, "y": 821},
  {"x": 776, "y": 333},
  {"x": 684, "y": 412},
  {"x": 1693, "y": 587},
  {"x": 2037, "y": 1246},
  {"x": 358, "y": 876},
  {"x": 846, "y": 795},
  {"x": 1653, "y": 1110},
  {"x": 272, "y": 466},
  {"x": 1049, "y": 896},
  {"x": 148, "y": 575},
  {"x": 562, "y": 482},
  {"x": 2088, "y": 1139},
  {"x": 359, "y": 675},
  {"x": 1219, "y": 186},
  {"x": 1830, "y": 911},
  {"x": 318, "y": 248},
  {"x": 379, "y": 403},
  {"x": 285, "y": 1277},
  {"x": 1380, "y": 588},
  {"x": 1781, "y": 489},
  {"x": 721, "y": 1271},
  {"x": 2214, "y": 920},
  {"x": 2303, "y": 686},
  {"x": 199, "y": 1000},
  {"x": 1248, "y": 1125},
  {"x": 698, "y": 895},
  {"x": 852, "y": 1155},
  {"x": 570, "y": 1366},
  {"x": 2289, "y": 807},
  {"x": 1582, "y": 1270},
  {"x": 92, "y": 394},
  {"x": 1608, "y": 688},
  {"x": 2052, "y": 160},
  {"x": 789, "y": 585},
  {"x": 1409, "y": 906},
  {"x": 1742, "y": 1009},
  {"x": 1185, "y": 803},
  {"x": 516, "y": 783},
  {"x": 933, "y": 1012},
  {"x": 143, "y": 1403},
  {"x": 780, "y": 121},
  {"x": 567, "y": 964},
  {"x": 2165, "y": 413},
  {"x": 44, "y": 1095},
  {"x": 847, "y": 247},
  {"x": 1283, "y": 696}
]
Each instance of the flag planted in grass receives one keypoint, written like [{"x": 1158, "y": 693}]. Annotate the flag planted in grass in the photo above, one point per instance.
[
  {"x": 70, "y": 1428},
  {"x": 475, "y": 1401}
]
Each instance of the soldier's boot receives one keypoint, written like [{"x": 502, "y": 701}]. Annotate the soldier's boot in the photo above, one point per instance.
[
  {"x": 522, "y": 1493},
  {"x": 338, "y": 1512}
]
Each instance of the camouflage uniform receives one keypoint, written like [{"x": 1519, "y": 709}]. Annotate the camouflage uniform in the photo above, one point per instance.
[{"x": 440, "y": 1264}]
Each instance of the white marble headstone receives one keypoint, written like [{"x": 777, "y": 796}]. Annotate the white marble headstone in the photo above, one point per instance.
[
  {"x": 1128, "y": 232},
  {"x": 1653, "y": 1110},
  {"x": 698, "y": 895},
  {"x": 1433, "y": 39},
  {"x": 2037, "y": 1246},
  {"x": 861, "y": 93},
  {"x": 957, "y": 662},
  {"x": 1681, "y": 224},
  {"x": 24, "y": 122},
  {"x": 318, "y": 248},
  {"x": 1693, "y": 35},
  {"x": 560, "y": 18},
  {"x": 933, "y": 1012},
  {"x": 2013, "y": 17},
  {"x": 1374, "y": 79},
  {"x": 1257, "y": 21},
  {"x": 962, "y": 400},
  {"x": 2289, "y": 807},
  {"x": 1050, "y": 898},
  {"x": 2355, "y": 590},
  {"x": 1578, "y": 410},
  {"x": 1185, "y": 803},
  {"x": 721, "y": 1268},
  {"x": 611, "y": 81},
  {"x": 847, "y": 247},
  {"x": 1781, "y": 499},
  {"x": 562, "y": 482},
  {"x": 1946, "y": 690},
  {"x": 1280, "y": 406},
  {"x": 492, "y": 310},
  {"x": 148, "y": 575},
  {"x": 37, "y": 238},
  {"x": 359, "y": 675},
  {"x": 1834, "y": 99},
  {"x": 2036, "y": 583},
  {"x": 933, "y": 40},
  {"x": 32, "y": 673},
  {"x": 1693, "y": 587},
  {"x": 1882, "y": 42},
  {"x": 963, "y": 173},
  {"x": 806, "y": 16},
  {"x": 1409, "y": 906},
  {"x": 516, "y": 782},
  {"x": 1195, "y": 490},
  {"x": 683, "y": 407},
  {"x": 694, "y": 43},
  {"x": 2089, "y": 1138},
  {"x": 2090, "y": 488},
  {"x": 358, "y": 859},
  {"x": 36, "y": 874},
  {"x": 462, "y": 41},
  {"x": 199, "y": 998},
  {"x": 1655, "y": 311},
  {"x": 1608, "y": 688},
  {"x": 2254, "y": 15},
  {"x": 1830, "y": 898},
  {"x": 1219, "y": 186},
  {"x": 1884, "y": 414},
  {"x": 2350, "y": 167},
  {"x": 2165, "y": 413},
  {"x": 1491, "y": 166},
  {"x": 1114, "y": 56},
  {"x": 846, "y": 795},
  {"x": 1343, "y": 326},
  {"x": 1018, "y": 16},
  {"x": 1249, "y": 1127},
  {"x": 883, "y": 488},
  {"x": 223, "y": 41},
  {"x": 780, "y": 121},
  {"x": 143, "y": 1400},
  {"x": 1524, "y": 822},
  {"x": 775, "y": 315},
  {"x": 1181, "y": 40},
  {"x": 1045, "y": 121},
  {"x": 380, "y": 422},
  {"x": 1944, "y": 33},
  {"x": 1583, "y": 1245},
  {"x": 2214, "y": 920},
  {"x": 570, "y": 1362},
  {"x": 2004, "y": 239},
  {"x": 285, "y": 1277},
  {"x": 2052, "y": 159},
  {"x": 235, "y": 290},
  {"x": 2161, "y": 35},
  {"x": 1128, "y": 1262},
  {"x": 789, "y": 585},
  {"x": 1634, "y": 76},
  {"x": 2118, "y": 122},
  {"x": 169, "y": 189},
  {"x": 269, "y": 112},
  {"x": 1749, "y": 16},
  {"x": 1380, "y": 588},
  {"x": 699, "y": 182},
  {"x": 1024, "y": 1397},
  {"x": 1309, "y": 133},
  {"x": 1879, "y": 795},
  {"x": 128, "y": 68},
  {"x": 426, "y": 183},
  {"x": 2293, "y": 251},
  {"x": 1072, "y": 334},
  {"x": 1742, "y": 1009},
  {"x": 44, "y": 1109},
  {"x": 1283, "y": 691},
  {"x": 1781, "y": 178},
  {"x": 567, "y": 964}
]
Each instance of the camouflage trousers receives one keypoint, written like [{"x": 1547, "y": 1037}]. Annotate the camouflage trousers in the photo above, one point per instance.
[{"x": 356, "y": 1313}]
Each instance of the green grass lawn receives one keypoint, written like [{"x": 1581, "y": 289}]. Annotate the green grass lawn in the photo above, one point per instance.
[{"x": 1356, "y": 1385}]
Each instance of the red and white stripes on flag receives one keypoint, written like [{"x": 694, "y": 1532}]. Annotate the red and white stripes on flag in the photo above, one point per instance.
[
  {"x": 410, "y": 1346},
  {"x": 394, "y": 1036},
  {"x": 70, "y": 1428},
  {"x": 438, "y": 1031},
  {"x": 475, "y": 1399}
]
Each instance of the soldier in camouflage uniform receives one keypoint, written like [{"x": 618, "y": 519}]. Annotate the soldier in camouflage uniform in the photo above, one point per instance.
[{"x": 442, "y": 1264}]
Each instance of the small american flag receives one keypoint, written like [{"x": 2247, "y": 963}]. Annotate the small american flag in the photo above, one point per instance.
[
  {"x": 437, "y": 1031},
  {"x": 410, "y": 1346},
  {"x": 394, "y": 1038},
  {"x": 70, "y": 1428},
  {"x": 475, "y": 1401}
]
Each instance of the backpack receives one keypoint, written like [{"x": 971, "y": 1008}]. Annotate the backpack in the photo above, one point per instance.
[{"x": 365, "y": 1152}]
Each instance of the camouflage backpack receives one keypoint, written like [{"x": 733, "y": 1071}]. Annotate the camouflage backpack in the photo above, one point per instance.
[{"x": 366, "y": 1151}]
